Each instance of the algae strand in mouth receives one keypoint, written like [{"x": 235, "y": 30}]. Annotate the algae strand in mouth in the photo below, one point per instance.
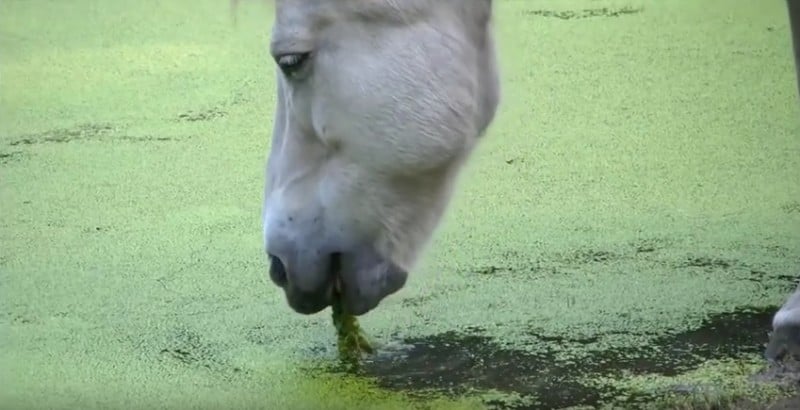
[{"x": 351, "y": 339}]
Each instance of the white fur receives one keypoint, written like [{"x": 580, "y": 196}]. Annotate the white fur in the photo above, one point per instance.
[{"x": 369, "y": 140}]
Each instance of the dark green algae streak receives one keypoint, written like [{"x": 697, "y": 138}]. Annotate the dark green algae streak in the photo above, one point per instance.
[{"x": 624, "y": 230}]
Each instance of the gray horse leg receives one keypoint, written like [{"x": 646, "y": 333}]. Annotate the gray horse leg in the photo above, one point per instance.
[{"x": 785, "y": 338}]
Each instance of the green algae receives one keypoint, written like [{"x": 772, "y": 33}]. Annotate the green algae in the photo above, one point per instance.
[
  {"x": 351, "y": 339},
  {"x": 349, "y": 392},
  {"x": 635, "y": 182},
  {"x": 713, "y": 385},
  {"x": 462, "y": 363}
]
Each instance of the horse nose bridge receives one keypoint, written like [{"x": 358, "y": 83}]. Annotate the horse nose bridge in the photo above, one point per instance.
[
  {"x": 293, "y": 211},
  {"x": 290, "y": 239},
  {"x": 293, "y": 30},
  {"x": 287, "y": 229},
  {"x": 291, "y": 223}
]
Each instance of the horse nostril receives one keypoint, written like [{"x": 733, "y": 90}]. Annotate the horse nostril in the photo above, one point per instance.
[{"x": 277, "y": 271}]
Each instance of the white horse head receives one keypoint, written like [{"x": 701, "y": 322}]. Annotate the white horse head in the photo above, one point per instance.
[{"x": 379, "y": 105}]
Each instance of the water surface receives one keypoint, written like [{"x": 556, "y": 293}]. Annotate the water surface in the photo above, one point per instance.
[{"x": 633, "y": 214}]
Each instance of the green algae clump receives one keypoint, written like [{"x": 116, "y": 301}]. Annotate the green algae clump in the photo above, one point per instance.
[{"x": 351, "y": 339}]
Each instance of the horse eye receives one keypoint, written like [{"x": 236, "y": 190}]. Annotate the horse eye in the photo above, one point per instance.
[{"x": 292, "y": 63}]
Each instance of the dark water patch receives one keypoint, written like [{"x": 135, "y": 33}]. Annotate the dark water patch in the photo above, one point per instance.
[
  {"x": 726, "y": 335},
  {"x": 788, "y": 281},
  {"x": 515, "y": 160},
  {"x": 580, "y": 257},
  {"x": 645, "y": 249},
  {"x": 189, "y": 348},
  {"x": 650, "y": 245},
  {"x": 707, "y": 262},
  {"x": 143, "y": 138},
  {"x": 514, "y": 262},
  {"x": 82, "y": 131},
  {"x": 85, "y": 132},
  {"x": 206, "y": 115},
  {"x": 492, "y": 269},
  {"x": 8, "y": 157},
  {"x": 585, "y": 13},
  {"x": 259, "y": 335},
  {"x": 245, "y": 92},
  {"x": 96, "y": 229},
  {"x": 23, "y": 319},
  {"x": 791, "y": 207},
  {"x": 263, "y": 335},
  {"x": 530, "y": 267},
  {"x": 789, "y": 403},
  {"x": 778, "y": 250},
  {"x": 765, "y": 271},
  {"x": 785, "y": 371},
  {"x": 414, "y": 301},
  {"x": 457, "y": 363},
  {"x": 591, "y": 256}
]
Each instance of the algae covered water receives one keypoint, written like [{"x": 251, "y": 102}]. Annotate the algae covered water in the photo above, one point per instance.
[{"x": 624, "y": 231}]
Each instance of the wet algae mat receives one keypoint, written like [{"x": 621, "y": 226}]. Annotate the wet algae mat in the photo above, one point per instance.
[{"x": 622, "y": 236}]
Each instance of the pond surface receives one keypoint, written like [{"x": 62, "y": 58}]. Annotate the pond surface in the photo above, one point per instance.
[{"x": 623, "y": 233}]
